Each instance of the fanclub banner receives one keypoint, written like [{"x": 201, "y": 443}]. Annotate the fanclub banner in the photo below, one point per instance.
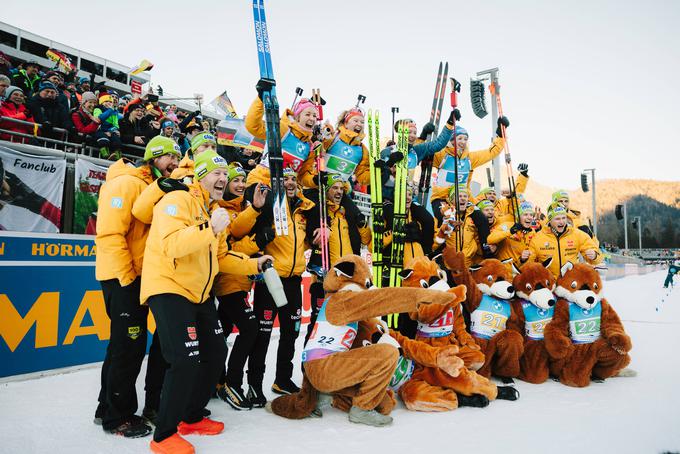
[
  {"x": 31, "y": 191},
  {"x": 89, "y": 178}
]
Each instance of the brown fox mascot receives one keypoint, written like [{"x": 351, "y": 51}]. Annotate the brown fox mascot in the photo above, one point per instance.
[
  {"x": 489, "y": 289},
  {"x": 585, "y": 337},
  {"x": 533, "y": 308},
  {"x": 331, "y": 364},
  {"x": 431, "y": 388}
]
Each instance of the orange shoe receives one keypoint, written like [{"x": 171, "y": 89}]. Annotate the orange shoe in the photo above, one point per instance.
[
  {"x": 172, "y": 445},
  {"x": 205, "y": 426}
]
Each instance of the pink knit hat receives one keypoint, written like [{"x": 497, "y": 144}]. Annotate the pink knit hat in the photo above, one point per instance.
[{"x": 301, "y": 105}]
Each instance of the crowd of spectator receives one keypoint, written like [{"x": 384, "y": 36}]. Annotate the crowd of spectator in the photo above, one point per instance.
[{"x": 50, "y": 104}]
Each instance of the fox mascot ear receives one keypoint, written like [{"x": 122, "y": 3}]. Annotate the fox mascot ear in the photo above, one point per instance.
[
  {"x": 344, "y": 269},
  {"x": 515, "y": 270},
  {"x": 475, "y": 267},
  {"x": 565, "y": 268},
  {"x": 405, "y": 274},
  {"x": 547, "y": 262}
]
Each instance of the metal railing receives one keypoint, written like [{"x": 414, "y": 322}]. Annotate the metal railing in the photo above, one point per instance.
[{"x": 80, "y": 147}]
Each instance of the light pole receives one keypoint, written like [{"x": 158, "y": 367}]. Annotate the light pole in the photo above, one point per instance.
[
  {"x": 493, "y": 75},
  {"x": 625, "y": 225},
  {"x": 592, "y": 179},
  {"x": 637, "y": 223}
]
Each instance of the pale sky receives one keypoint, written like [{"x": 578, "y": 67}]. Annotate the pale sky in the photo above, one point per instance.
[{"x": 584, "y": 83}]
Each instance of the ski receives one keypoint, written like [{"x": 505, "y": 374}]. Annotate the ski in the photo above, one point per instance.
[
  {"x": 323, "y": 208},
  {"x": 377, "y": 219},
  {"x": 435, "y": 115},
  {"x": 271, "y": 113},
  {"x": 398, "y": 234}
]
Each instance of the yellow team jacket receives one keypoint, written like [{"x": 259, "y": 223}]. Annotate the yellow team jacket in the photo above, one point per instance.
[
  {"x": 256, "y": 126},
  {"x": 242, "y": 222},
  {"x": 503, "y": 205},
  {"x": 564, "y": 249},
  {"x": 510, "y": 245},
  {"x": 143, "y": 207},
  {"x": 477, "y": 158},
  {"x": 288, "y": 250},
  {"x": 182, "y": 254},
  {"x": 338, "y": 240},
  {"x": 121, "y": 237}
]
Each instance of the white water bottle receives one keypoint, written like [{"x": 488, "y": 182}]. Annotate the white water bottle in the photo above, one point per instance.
[{"x": 274, "y": 284}]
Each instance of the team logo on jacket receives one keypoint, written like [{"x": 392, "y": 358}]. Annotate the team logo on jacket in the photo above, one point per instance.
[
  {"x": 570, "y": 243},
  {"x": 171, "y": 210},
  {"x": 134, "y": 332},
  {"x": 191, "y": 331},
  {"x": 542, "y": 312},
  {"x": 497, "y": 306},
  {"x": 117, "y": 202},
  {"x": 268, "y": 315}
]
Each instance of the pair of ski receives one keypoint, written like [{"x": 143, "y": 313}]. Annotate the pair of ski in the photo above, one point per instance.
[
  {"x": 435, "y": 115},
  {"x": 382, "y": 269},
  {"x": 271, "y": 114}
]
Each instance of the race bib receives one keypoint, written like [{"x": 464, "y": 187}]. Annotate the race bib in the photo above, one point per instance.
[
  {"x": 535, "y": 320},
  {"x": 342, "y": 158},
  {"x": 490, "y": 317},
  {"x": 441, "y": 327},
  {"x": 446, "y": 175},
  {"x": 402, "y": 373},
  {"x": 327, "y": 339},
  {"x": 584, "y": 324}
]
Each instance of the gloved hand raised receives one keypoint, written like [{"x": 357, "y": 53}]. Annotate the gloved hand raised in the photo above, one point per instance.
[
  {"x": 523, "y": 169},
  {"x": 427, "y": 130},
  {"x": 502, "y": 121},
  {"x": 264, "y": 85},
  {"x": 455, "y": 113}
]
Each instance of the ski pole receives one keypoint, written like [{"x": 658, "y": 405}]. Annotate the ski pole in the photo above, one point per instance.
[
  {"x": 495, "y": 91},
  {"x": 298, "y": 92},
  {"x": 316, "y": 99},
  {"x": 455, "y": 88},
  {"x": 395, "y": 110}
]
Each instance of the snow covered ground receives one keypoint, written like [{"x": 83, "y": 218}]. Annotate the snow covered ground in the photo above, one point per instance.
[{"x": 623, "y": 415}]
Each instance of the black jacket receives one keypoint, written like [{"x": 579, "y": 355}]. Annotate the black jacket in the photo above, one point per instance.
[{"x": 49, "y": 113}]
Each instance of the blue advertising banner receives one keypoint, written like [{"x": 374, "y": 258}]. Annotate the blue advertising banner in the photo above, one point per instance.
[{"x": 52, "y": 312}]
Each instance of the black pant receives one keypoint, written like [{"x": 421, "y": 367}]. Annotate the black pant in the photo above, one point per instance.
[
  {"x": 289, "y": 322},
  {"x": 317, "y": 297},
  {"x": 233, "y": 310},
  {"x": 125, "y": 353},
  {"x": 193, "y": 343}
]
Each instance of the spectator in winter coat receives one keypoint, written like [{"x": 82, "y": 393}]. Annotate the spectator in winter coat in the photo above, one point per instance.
[
  {"x": 48, "y": 112},
  {"x": 27, "y": 79},
  {"x": 58, "y": 80},
  {"x": 5, "y": 65},
  {"x": 13, "y": 107},
  {"x": 84, "y": 120},
  {"x": 108, "y": 134},
  {"x": 4, "y": 84},
  {"x": 136, "y": 128},
  {"x": 72, "y": 94},
  {"x": 84, "y": 85}
]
